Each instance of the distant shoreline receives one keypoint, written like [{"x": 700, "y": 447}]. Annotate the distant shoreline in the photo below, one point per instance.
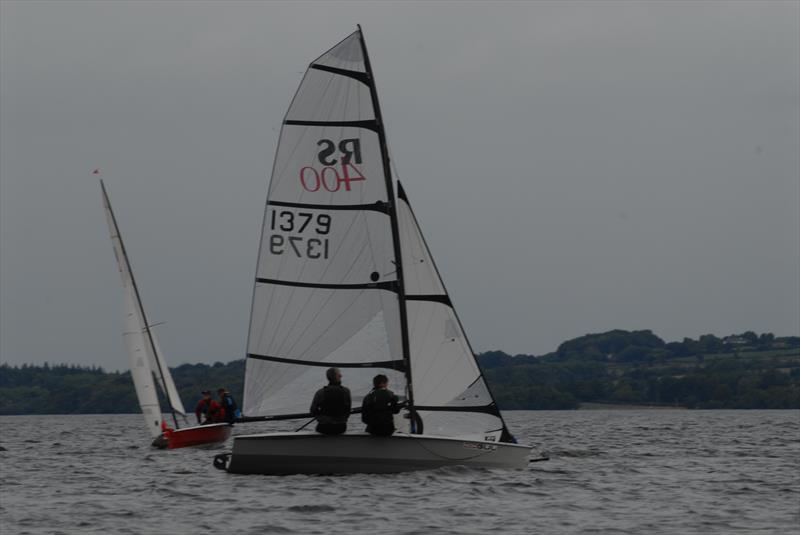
[
  {"x": 611, "y": 371},
  {"x": 593, "y": 406}
]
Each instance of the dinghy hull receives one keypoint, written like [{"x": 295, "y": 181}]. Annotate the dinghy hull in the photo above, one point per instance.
[
  {"x": 194, "y": 436},
  {"x": 312, "y": 453}
]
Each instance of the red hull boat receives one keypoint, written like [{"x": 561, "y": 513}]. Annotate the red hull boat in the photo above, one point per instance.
[{"x": 192, "y": 436}]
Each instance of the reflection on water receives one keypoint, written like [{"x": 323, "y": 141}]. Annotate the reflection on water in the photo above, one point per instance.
[{"x": 610, "y": 472}]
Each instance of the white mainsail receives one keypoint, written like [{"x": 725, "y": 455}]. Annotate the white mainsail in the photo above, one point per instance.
[
  {"x": 325, "y": 292},
  {"x": 143, "y": 350},
  {"x": 344, "y": 277}
]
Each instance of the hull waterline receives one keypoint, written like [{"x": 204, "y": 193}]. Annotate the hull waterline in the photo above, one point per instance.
[
  {"x": 312, "y": 453},
  {"x": 193, "y": 436}
]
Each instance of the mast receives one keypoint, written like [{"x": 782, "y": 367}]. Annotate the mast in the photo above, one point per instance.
[
  {"x": 139, "y": 302},
  {"x": 392, "y": 208}
]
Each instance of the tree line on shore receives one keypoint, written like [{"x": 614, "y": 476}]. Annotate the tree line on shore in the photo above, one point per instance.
[{"x": 745, "y": 371}]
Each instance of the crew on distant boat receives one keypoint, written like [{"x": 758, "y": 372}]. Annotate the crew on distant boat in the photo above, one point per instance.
[
  {"x": 230, "y": 411},
  {"x": 379, "y": 408},
  {"x": 331, "y": 405},
  {"x": 207, "y": 410}
]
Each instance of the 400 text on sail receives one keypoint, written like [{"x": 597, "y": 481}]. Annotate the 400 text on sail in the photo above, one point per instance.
[{"x": 329, "y": 178}]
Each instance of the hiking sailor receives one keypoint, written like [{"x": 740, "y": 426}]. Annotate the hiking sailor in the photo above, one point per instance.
[
  {"x": 206, "y": 409},
  {"x": 379, "y": 408},
  {"x": 331, "y": 405},
  {"x": 230, "y": 411}
]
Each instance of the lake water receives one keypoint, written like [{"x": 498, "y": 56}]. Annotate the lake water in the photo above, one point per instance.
[{"x": 658, "y": 471}]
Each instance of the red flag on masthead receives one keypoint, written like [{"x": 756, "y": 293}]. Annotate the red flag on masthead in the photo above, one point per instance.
[{"x": 96, "y": 172}]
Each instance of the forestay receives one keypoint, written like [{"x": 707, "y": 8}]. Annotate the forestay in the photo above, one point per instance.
[{"x": 329, "y": 290}]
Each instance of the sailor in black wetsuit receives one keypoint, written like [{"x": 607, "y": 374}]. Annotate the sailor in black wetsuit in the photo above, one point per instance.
[
  {"x": 331, "y": 405},
  {"x": 379, "y": 408}
]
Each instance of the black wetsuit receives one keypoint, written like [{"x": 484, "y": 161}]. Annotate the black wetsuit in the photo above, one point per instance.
[
  {"x": 331, "y": 407},
  {"x": 378, "y": 410}
]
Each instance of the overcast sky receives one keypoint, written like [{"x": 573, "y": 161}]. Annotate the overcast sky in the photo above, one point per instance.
[{"x": 576, "y": 167}]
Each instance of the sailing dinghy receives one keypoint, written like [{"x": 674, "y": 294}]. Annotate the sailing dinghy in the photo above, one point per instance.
[
  {"x": 147, "y": 362},
  {"x": 345, "y": 279}
]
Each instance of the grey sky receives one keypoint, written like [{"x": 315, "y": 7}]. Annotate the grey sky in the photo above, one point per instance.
[{"x": 576, "y": 167}]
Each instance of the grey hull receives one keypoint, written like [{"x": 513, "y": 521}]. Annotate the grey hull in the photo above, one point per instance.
[{"x": 312, "y": 453}]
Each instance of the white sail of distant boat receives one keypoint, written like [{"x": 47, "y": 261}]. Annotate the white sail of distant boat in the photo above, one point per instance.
[
  {"x": 345, "y": 279},
  {"x": 148, "y": 367}
]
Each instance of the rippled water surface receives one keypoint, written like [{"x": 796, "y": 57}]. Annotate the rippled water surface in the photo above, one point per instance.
[{"x": 659, "y": 471}]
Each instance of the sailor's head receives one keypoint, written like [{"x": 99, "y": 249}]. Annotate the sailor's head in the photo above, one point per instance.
[
  {"x": 221, "y": 392},
  {"x": 206, "y": 393},
  {"x": 380, "y": 381},
  {"x": 334, "y": 376}
]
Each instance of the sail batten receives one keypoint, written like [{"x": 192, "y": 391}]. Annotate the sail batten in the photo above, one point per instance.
[
  {"x": 386, "y": 285},
  {"x": 360, "y": 76},
  {"x": 377, "y": 206},
  {"x": 369, "y": 124},
  {"x": 438, "y": 298},
  {"x": 391, "y": 364},
  {"x": 488, "y": 409}
]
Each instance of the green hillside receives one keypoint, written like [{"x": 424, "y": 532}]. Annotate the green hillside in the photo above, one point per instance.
[
  {"x": 745, "y": 371},
  {"x": 738, "y": 372},
  {"x": 70, "y": 389}
]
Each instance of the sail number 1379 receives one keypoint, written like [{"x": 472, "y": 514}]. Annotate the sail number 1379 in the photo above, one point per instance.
[{"x": 302, "y": 223}]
